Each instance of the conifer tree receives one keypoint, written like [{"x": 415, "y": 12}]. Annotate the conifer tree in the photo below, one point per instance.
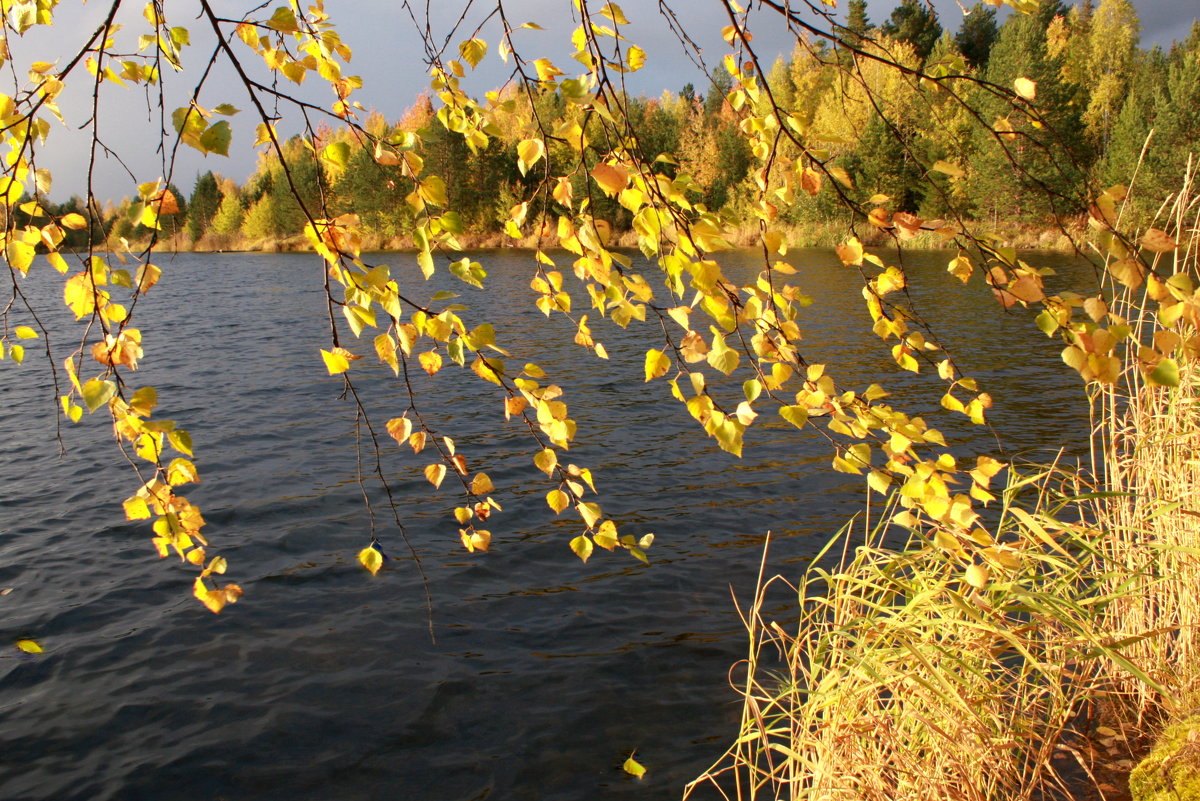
[
  {"x": 976, "y": 35},
  {"x": 915, "y": 23},
  {"x": 206, "y": 198}
]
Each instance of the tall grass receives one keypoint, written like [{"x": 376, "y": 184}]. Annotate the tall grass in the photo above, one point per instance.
[
  {"x": 1150, "y": 438},
  {"x": 955, "y": 670}
]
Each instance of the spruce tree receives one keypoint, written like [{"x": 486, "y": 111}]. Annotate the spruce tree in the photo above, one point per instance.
[
  {"x": 1028, "y": 172},
  {"x": 202, "y": 207},
  {"x": 856, "y": 17},
  {"x": 976, "y": 36},
  {"x": 915, "y": 23}
]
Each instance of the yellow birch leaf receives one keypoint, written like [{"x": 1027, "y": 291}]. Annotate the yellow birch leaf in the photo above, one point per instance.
[
  {"x": 634, "y": 768},
  {"x": 610, "y": 178},
  {"x": 977, "y": 576},
  {"x": 29, "y": 646},
  {"x": 371, "y": 559},
  {"x": 400, "y": 428},
  {"x": 335, "y": 362},
  {"x": 657, "y": 364},
  {"x": 136, "y": 508},
  {"x": 557, "y": 500},
  {"x": 1158, "y": 241},
  {"x": 546, "y": 460},
  {"x": 590, "y": 512},
  {"x": 529, "y": 153},
  {"x": 431, "y": 361},
  {"x": 435, "y": 473},
  {"x": 582, "y": 547},
  {"x": 481, "y": 484},
  {"x": 74, "y": 221},
  {"x": 1026, "y": 88}
]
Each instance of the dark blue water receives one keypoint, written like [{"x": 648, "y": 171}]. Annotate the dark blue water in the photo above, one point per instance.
[{"x": 324, "y": 682}]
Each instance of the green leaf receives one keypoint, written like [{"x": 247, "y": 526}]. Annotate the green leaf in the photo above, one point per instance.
[
  {"x": 1166, "y": 373},
  {"x": 336, "y": 153},
  {"x": 96, "y": 393},
  {"x": 216, "y": 138}
]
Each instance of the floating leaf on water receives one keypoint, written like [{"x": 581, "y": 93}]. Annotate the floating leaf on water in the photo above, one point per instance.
[
  {"x": 633, "y": 767},
  {"x": 29, "y": 646}
]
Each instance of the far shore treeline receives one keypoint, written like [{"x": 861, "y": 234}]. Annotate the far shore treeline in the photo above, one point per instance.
[{"x": 1099, "y": 96}]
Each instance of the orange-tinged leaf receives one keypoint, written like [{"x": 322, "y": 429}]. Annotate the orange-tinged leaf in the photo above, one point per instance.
[
  {"x": 431, "y": 361},
  {"x": 417, "y": 441},
  {"x": 612, "y": 179},
  {"x": 851, "y": 252},
  {"x": 460, "y": 463},
  {"x": 1158, "y": 241}
]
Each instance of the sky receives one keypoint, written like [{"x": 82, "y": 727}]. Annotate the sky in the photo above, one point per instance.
[{"x": 389, "y": 55}]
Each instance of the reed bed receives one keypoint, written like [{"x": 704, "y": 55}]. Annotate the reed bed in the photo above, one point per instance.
[
  {"x": 895, "y": 675},
  {"x": 1150, "y": 440}
]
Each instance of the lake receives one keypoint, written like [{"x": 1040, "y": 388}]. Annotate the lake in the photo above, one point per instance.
[{"x": 324, "y": 682}]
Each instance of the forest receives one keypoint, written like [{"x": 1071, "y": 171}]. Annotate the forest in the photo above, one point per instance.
[{"x": 1098, "y": 97}]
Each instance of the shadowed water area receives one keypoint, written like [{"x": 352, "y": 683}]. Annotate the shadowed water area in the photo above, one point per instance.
[{"x": 324, "y": 682}]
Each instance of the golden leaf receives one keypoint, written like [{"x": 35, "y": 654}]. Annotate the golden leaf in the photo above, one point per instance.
[
  {"x": 435, "y": 473},
  {"x": 400, "y": 428},
  {"x": 371, "y": 559}
]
